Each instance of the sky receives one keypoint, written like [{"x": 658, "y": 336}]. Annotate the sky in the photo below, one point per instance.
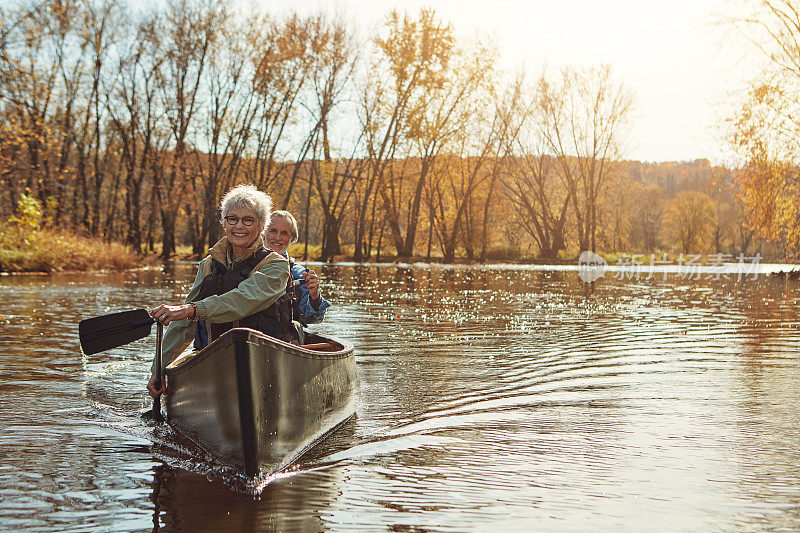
[{"x": 681, "y": 65}]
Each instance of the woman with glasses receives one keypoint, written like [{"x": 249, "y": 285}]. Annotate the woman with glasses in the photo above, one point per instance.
[{"x": 240, "y": 282}]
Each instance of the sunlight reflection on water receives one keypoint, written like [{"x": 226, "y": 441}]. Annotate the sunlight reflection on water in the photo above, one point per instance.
[{"x": 491, "y": 398}]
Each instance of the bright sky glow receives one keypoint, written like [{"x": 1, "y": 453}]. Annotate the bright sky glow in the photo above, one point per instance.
[{"x": 671, "y": 54}]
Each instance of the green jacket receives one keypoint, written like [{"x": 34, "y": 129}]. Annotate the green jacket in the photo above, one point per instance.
[{"x": 266, "y": 283}]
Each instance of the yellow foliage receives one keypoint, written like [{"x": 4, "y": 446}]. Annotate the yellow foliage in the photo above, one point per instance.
[
  {"x": 43, "y": 250},
  {"x": 689, "y": 221},
  {"x": 764, "y": 129},
  {"x": 29, "y": 213}
]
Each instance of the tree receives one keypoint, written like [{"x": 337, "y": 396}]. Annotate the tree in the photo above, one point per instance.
[
  {"x": 689, "y": 221},
  {"x": 35, "y": 52},
  {"x": 648, "y": 202},
  {"x": 507, "y": 101},
  {"x": 282, "y": 68},
  {"x": 617, "y": 207},
  {"x": 412, "y": 62},
  {"x": 533, "y": 184},
  {"x": 189, "y": 30},
  {"x": 585, "y": 113},
  {"x": 765, "y": 131},
  {"x": 99, "y": 32},
  {"x": 465, "y": 119},
  {"x": 134, "y": 116},
  {"x": 226, "y": 129},
  {"x": 335, "y": 61}
]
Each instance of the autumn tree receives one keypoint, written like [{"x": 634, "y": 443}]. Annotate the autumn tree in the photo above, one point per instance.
[
  {"x": 585, "y": 113},
  {"x": 282, "y": 68},
  {"x": 135, "y": 118},
  {"x": 53, "y": 85},
  {"x": 616, "y": 211},
  {"x": 412, "y": 62},
  {"x": 35, "y": 51},
  {"x": 99, "y": 31},
  {"x": 533, "y": 183},
  {"x": 335, "y": 61},
  {"x": 765, "y": 130},
  {"x": 689, "y": 221},
  {"x": 187, "y": 34},
  {"x": 225, "y": 129},
  {"x": 463, "y": 118},
  {"x": 507, "y": 99},
  {"x": 646, "y": 216}
]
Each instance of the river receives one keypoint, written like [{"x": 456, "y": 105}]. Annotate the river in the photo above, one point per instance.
[{"x": 492, "y": 398}]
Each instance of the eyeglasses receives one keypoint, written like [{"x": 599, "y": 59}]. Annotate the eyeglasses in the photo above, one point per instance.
[{"x": 233, "y": 220}]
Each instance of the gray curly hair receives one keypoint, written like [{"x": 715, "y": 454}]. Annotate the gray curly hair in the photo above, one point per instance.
[{"x": 260, "y": 203}]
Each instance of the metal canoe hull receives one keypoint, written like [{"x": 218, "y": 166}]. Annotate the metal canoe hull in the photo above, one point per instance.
[{"x": 257, "y": 403}]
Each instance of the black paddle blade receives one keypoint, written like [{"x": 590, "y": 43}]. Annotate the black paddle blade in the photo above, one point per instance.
[{"x": 105, "y": 332}]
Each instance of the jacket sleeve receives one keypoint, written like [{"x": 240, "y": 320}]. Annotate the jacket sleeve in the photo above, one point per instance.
[
  {"x": 260, "y": 290},
  {"x": 312, "y": 312},
  {"x": 180, "y": 333}
]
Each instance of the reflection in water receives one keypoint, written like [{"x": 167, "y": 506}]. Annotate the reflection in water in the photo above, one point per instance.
[
  {"x": 491, "y": 398},
  {"x": 186, "y": 501}
]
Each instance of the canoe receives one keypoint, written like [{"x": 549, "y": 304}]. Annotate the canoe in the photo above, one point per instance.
[{"x": 257, "y": 403}]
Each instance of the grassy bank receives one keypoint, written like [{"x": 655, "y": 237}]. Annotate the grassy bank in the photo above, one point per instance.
[
  {"x": 46, "y": 250},
  {"x": 25, "y": 246}
]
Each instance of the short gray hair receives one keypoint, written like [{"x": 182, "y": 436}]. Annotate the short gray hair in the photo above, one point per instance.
[
  {"x": 292, "y": 222},
  {"x": 250, "y": 197}
]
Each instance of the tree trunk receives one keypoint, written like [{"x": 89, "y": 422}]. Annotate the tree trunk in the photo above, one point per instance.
[
  {"x": 308, "y": 213},
  {"x": 413, "y": 215},
  {"x": 168, "y": 235},
  {"x": 469, "y": 245},
  {"x": 330, "y": 243},
  {"x": 132, "y": 208},
  {"x": 359, "y": 253},
  {"x": 195, "y": 230},
  {"x": 380, "y": 243},
  {"x": 430, "y": 234}
]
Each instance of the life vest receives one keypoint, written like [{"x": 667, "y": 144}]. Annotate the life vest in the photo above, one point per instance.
[{"x": 275, "y": 320}]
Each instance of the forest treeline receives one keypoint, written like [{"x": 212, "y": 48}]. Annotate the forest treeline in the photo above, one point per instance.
[{"x": 130, "y": 124}]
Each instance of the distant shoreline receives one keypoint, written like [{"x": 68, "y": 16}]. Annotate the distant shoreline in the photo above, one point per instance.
[{"x": 129, "y": 260}]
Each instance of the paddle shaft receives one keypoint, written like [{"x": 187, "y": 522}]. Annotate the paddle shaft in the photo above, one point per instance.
[{"x": 159, "y": 376}]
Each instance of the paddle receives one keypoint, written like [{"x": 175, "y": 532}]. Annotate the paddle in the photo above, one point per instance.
[
  {"x": 105, "y": 332},
  {"x": 110, "y": 331},
  {"x": 155, "y": 412}
]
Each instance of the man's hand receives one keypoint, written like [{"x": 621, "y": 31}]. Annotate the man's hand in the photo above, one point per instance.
[{"x": 312, "y": 284}]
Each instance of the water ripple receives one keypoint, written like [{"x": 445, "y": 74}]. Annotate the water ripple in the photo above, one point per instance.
[{"x": 495, "y": 398}]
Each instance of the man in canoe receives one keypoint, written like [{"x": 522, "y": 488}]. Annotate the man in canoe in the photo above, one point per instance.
[
  {"x": 239, "y": 282},
  {"x": 281, "y": 233}
]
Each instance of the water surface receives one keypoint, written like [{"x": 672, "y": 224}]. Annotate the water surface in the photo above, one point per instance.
[{"x": 491, "y": 399}]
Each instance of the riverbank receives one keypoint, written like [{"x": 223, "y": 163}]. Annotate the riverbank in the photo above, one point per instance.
[
  {"x": 48, "y": 250},
  {"x": 629, "y": 262}
]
